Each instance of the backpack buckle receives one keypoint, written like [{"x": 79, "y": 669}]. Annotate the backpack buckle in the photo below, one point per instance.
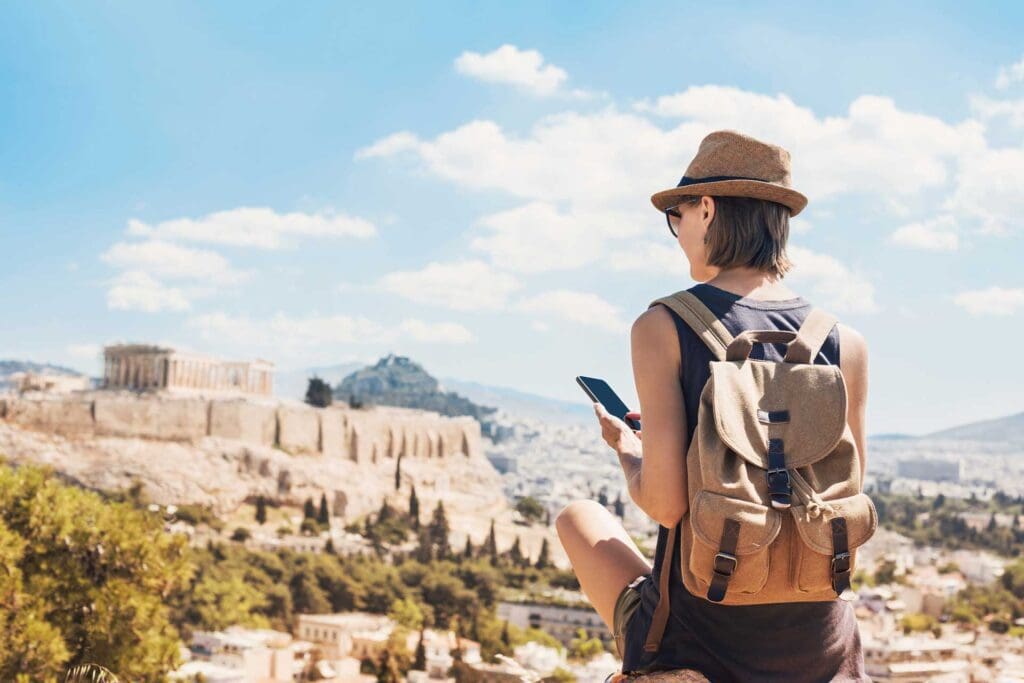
[
  {"x": 725, "y": 564},
  {"x": 841, "y": 563},
  {"x": 779, "y": 487}
]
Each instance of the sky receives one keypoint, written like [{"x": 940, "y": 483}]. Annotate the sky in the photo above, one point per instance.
[{"x": 468, "y": 184}]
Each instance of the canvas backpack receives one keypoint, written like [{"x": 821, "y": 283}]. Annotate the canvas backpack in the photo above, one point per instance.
[{"x": 776, "y": 503}]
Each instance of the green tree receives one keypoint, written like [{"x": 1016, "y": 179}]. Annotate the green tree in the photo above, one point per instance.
[
  {"x": 467, "y": 550},
  {"x": 439, "y": 532},
  {"x": 420, "y": 660},
  {"x": 387, "y": 668},
  {"x": 323, "y": 516},
  {"x": 543, "y": 559},
  {"x": 407, "y": 612},
  {"x": 318, "y": 393},
  {"x": 620, "y": 506},
  {"x": 309, "y": 509},
  {"x": 491, "y": 544},
  {"x": 530, "y": 508},
  {"x": 261, "y": 510},
  {"x": 414, "y": 509},
  {"x": 583, "y": 647},
  {"x": 515, "y": 553},
  {"x": 86, "y": 580}
]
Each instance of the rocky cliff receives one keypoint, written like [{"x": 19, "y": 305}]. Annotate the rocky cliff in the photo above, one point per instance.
[{"x": 220, "y": 452}]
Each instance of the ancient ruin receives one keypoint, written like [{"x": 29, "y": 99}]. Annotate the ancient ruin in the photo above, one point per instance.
[{"x": 143, "y": 367}]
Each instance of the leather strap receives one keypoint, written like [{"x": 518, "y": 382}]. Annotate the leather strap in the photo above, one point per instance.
[
  {"x": 810, "y": 337},
  {"x": 840, "y": 556},
  {"x": 660, "y": 617},
  {"x": 779, "y": 488},
  {"x": 744, "y": 342},
  {"x": 725, "y": 560},
  {"x": 701, "y": 320}
]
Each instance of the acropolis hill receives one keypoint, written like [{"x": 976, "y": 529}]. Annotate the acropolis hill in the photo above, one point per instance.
[{"x": 219, "y": 447}]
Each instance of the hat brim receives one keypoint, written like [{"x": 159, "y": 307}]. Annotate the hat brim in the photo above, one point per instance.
[{"x": 754, "y": 189}]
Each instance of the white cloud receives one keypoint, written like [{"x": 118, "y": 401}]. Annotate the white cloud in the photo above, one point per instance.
[
  {"x": 436, "y": 333},
  {"x": 987, "y": 108},
  {"x": 875, "y": 148},
  {"x": 583, "y": 308},
  {"x": 588, "y": 160},
  {"x": 172, "y": 261},
  {"x": 936, "y": 234},
  {"x": 462, "y": 285},
  {"x": 988, "y": 189},
  {"x": 289, "y": 335},
  {"x": 833, "y": 285},
  {"x": 508, "y": 64},
  {"x": 1008, "y": 75},
  {"x": 991, "y": 301},
  {"x": 136, "y": 290},
  {"x": 537, "y": 237},
  {"x": 650, "y": 257},
  {"x": 257, "y": 227}
]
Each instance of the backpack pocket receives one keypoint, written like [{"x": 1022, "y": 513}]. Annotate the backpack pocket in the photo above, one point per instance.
[
  {"x": 813, "y": 546},
  {"x": 758, "y": 527}
]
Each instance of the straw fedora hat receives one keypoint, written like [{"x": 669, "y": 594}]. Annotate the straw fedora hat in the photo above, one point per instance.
[{"x": 730, "y": 164}]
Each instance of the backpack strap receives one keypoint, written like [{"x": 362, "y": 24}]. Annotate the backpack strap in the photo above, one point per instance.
[
  {"x": 810, "y": 337},
  {"x": 660, "y": 617},
  {"x": 701, "y": 320}
]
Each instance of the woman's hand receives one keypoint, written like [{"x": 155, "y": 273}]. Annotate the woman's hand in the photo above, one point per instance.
[{"x": 617, "y": 433}]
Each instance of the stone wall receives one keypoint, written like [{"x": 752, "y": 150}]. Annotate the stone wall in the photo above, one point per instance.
[{"x": 370, "y": 436}]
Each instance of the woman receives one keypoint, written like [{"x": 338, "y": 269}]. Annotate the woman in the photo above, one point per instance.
[{"x": 730, "y": 214}]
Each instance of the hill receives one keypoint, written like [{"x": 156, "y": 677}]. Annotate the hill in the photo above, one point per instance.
[
  {"x": 400, "y": 381},
  {"x": 1004, "y": 429}
]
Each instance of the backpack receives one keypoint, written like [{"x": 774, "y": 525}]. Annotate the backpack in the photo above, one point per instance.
[{"x": 776, "y": 503}]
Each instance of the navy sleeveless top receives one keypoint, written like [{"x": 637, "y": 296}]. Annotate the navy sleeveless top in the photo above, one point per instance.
[{"x": 802, "y": 641}]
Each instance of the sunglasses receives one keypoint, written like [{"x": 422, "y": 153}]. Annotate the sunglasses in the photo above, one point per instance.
[{"x": 673, "y": 215}]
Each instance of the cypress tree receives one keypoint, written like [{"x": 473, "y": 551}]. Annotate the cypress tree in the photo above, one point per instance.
[
  {"x": 414, "y": 509},
  {"x": 467, "y": 551},
  {"x": 308, "y": 509},
  {"x": 491, "y": 544},
  {"x": 323, "y": 516},
  {"x": 542, "y": 559},
  {"x": 515, "y": 553},
  {"x": 261, "y": 510},
  {"x": 439, "y": 531},
  {"x": 420, "y": 661}
]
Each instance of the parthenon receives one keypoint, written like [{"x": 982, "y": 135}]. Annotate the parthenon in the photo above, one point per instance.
[{"x": 143, "y": 367}]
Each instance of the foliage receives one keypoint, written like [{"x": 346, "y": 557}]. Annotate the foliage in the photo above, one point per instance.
[
  {"x": 530, "y": 508},
  {"x": 241, "y": 535},
  {"x": 583, "y": 647},
  {"x": 318, "y": 393},
  {"x": 86, "y": 581}
]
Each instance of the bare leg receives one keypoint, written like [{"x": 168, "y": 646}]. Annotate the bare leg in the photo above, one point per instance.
[{"x": 602, "y": 554}]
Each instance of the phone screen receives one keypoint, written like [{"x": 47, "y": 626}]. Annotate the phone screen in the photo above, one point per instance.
[{"x": 598, "y": 390}]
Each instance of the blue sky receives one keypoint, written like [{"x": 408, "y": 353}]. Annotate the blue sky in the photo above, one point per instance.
[{"x": 468, "y": 184}]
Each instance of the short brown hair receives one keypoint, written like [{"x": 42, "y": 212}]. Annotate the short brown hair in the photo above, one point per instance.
[{"x": 749, "y": 232}]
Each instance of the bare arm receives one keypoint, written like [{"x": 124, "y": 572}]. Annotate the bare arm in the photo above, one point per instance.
[
  {"x": 853, "y": 359},
  {"x": 656, "y": 474}
]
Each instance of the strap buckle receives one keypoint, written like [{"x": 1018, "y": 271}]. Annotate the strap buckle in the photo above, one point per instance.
[
  {"x": 779, "y": 487},
  {"x": 725, "y": 564},
  {"x": 841, "y": 563}
]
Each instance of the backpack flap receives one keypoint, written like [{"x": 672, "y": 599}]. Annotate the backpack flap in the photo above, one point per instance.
[
  {"x": 826, "y": 555},
  {"x": 804, "y": 406}
]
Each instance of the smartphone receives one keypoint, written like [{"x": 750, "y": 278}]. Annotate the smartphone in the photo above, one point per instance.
[{"x": 598, "y": 390}]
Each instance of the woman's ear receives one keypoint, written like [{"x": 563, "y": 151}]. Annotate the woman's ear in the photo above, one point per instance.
[{"x": 707, "y": 210}]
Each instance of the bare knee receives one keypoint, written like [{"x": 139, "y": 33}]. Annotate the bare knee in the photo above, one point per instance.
[{"x": 572, "y": 515}]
